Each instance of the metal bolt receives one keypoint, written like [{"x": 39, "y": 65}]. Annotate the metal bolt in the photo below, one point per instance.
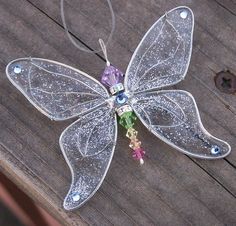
[{"x": 225, "y": 81}]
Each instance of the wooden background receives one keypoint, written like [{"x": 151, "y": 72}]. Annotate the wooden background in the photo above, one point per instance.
[{"x": 171, "y": 188}]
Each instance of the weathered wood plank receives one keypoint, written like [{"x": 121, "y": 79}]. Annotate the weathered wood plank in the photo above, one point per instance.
[{"x": 170, "y": 187}]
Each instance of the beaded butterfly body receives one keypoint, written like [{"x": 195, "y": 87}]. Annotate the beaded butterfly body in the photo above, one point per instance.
[{"x": 62, "y": 92}]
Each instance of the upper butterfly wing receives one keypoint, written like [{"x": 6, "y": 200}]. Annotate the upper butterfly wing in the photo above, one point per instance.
[
  {"x": 88, "y": 145},
  {"x": 172, "y": 115},
  {"x": 163, "y": 55},
  {"x": 57, "y": 90}
]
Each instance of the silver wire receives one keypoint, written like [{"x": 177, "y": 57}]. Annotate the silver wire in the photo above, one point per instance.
[{"x": 75, "y": 43}]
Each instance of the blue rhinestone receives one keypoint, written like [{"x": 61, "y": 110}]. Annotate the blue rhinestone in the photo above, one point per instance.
[
  {"x": 121, "y": 98},
  {"x": 17, "y": 69},
  {"x": 215, "y": 150}
]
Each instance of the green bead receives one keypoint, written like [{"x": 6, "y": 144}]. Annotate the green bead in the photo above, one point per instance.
[{"x": 127, "y": 119}]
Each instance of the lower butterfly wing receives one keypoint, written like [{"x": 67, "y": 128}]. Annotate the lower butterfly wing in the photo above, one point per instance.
[
  {"x": 61, "y": 92},
  {"x": 88, "y": 145},
  {"x": 57, "y": 90},
  {"x": 172, "y": 116}
]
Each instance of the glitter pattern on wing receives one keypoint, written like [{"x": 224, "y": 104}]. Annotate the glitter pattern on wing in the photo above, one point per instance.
[
  {"x": 57, "y": 90},
  {"x": 162, "y": 57},
  {"x": 88, "y": 145},
  {"x": 172, "y": 116}
]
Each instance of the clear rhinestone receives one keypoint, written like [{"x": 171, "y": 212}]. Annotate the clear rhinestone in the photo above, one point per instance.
[
  {"x": 76, "y": 197},
  {"x": 184, "y": 14},
  {"x": 17, "y": 69}
]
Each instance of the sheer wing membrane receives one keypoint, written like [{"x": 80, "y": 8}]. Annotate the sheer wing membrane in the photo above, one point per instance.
[
  {"x": 172, "y": 116},
  {"x": 57, "y": 90},
  {"x": 162, "y": 57},
  {"x": 88, "y": 145}
]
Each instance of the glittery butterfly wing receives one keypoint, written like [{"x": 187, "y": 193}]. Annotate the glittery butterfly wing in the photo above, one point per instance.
[
  {"x": 61, "y": 92},
  {"x": 57, "y": 90},
  {"x": 172, "y": 115},
  {"x": 160, "y": 60},
  {"x": 94, "y": 131},
  {"x": 163, "y": 55}
]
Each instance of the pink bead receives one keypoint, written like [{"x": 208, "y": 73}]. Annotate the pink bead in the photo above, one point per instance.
[{"x": 138, "y": 153}]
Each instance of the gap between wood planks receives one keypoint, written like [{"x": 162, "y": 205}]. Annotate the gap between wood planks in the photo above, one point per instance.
[
  {"x": 225, "y": 7},
  {"x": 74, "y": 36}
]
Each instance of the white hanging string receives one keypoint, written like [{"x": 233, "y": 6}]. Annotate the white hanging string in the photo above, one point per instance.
[
  {"x": 75, "y": 43},
  {"x": 104, "y": 50}
]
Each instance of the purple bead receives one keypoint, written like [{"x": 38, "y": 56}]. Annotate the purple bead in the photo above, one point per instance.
[{"x": 112, "y": 76}]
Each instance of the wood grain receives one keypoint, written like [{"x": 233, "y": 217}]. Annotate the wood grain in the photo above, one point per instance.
[{"x": 171, "y": 188}]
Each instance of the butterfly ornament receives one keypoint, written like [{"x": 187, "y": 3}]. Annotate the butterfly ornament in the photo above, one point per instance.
[{"x": 62, "y": 92}]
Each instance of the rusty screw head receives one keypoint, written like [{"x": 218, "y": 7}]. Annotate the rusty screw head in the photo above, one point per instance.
[{"x": 225, "y": 81}]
